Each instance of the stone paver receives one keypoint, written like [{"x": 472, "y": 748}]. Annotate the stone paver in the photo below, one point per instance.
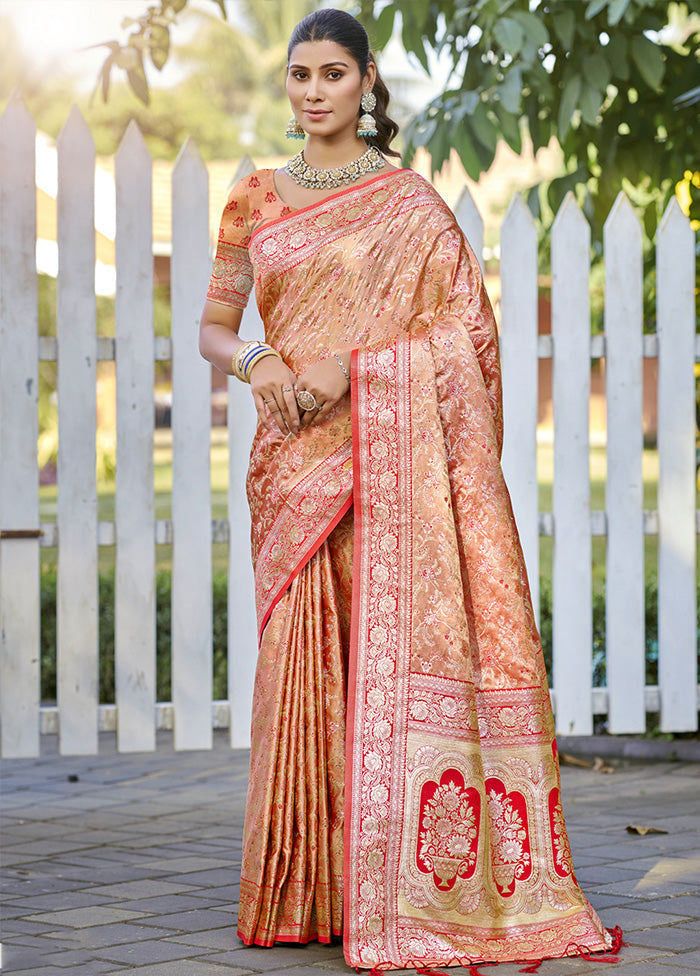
[{"x": 134, "y": 867}]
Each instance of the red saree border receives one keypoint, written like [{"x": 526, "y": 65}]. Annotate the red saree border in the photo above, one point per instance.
[
  {"x": 302, "y": 534},
  {"x": 296, "y": 211},
  {"x": 303, "y": 560},
  {"x": 455, "y": 850}
]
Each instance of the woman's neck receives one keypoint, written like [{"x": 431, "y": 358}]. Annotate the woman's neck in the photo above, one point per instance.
[{"x": 331, "y": 153}]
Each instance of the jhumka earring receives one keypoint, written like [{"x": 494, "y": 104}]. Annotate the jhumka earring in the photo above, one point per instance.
[
  {"x": 294, "y": 130},
  {"x": 367, "y": 125}
]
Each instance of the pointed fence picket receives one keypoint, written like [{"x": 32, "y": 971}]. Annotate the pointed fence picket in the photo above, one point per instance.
[
  {"x": 136, "y": 714},
  {"x": 519, "y": 369},
  {"x": 571, "y": 566},
  {"x": 471, "y": 222},
  {"x": 191, "y": 496},
  {"x": 77, "y": 599},
  {"x": 19, "y": 489},
  {"x": 675, "y": 289},
  {"x": 134, "y": 615},
  {"x": 624, "y": 618}
]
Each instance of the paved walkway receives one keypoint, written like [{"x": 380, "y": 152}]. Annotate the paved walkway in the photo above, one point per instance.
[{"x": 129, "y": 863}]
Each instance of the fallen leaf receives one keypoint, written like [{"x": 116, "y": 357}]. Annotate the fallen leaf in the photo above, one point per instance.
[
  {"x": 566, "y": 759},
  {"x": 601, "y": 766},
  {"x": 642, "y": 831}
]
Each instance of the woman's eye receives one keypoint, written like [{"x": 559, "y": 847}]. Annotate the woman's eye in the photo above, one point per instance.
[
  {"x": 299, "y": 75},
  {"x": 334, "y": 75}
]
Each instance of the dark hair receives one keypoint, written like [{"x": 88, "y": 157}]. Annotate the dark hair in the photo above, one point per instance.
[{"x": 330, "y": 24}]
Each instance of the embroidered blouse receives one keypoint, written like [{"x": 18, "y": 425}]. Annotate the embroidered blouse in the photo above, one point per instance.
[{"x": 252, "y": 202}]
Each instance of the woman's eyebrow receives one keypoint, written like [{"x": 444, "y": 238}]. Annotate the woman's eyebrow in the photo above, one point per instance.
[{"x": 331, "y": 64}]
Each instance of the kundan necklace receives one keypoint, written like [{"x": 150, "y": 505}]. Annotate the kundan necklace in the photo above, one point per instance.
[{"x": 325, "y": 179}]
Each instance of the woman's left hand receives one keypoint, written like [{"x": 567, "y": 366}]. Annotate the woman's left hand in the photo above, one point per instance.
[{"x": 328, "y": 384}]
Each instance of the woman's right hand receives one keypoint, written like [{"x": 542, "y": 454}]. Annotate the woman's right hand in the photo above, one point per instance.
[{"x": 272, "y": 385}]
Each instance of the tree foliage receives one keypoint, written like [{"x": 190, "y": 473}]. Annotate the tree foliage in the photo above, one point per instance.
[{"x": 614, "y": 81}]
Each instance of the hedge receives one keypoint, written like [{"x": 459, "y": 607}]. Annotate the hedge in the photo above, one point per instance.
[{"x": 219, "y": 597}]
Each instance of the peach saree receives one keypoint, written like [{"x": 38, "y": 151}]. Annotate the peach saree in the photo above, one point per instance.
[{"x": 404, "y": 782}]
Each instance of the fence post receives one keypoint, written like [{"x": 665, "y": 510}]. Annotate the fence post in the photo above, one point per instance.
[
  {"x": 624, "y": 631},
  {"x": 77, "y": 597},
  {"x": 135, "y": 645},
  {"x": 19, "y": 482},
  {"x": 242, "y": 626},
  {"x": 675, "y": 282},
  {"x": 572, "y": 626},
  {"x": 520, "y": 366},
  {"x": 191, "y": 424}
]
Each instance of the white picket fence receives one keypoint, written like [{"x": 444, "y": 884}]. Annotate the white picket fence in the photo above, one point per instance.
[{"x": 192, "y": 714}]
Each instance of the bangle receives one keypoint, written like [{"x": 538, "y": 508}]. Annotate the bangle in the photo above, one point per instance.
[
  {"x": 342, "y": 366},
  {"x": 248, "y": 355}
]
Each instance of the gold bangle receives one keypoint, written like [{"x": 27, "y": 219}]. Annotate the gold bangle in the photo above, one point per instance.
[
  {"x": 256, "y": 358},
  {"x": 246, "y": 354}
]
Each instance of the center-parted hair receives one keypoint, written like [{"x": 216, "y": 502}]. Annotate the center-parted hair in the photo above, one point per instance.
[{"x": 330, "y": 24}]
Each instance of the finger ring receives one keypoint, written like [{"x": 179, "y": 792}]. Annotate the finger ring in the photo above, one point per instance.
[
  {"x": 286, "y": 389},
  {"x": 306, "y": 400},
  {"x": 269, "y": 401}
]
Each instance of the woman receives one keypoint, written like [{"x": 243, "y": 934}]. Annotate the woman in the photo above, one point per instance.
[{"x": 404, "y": 785}]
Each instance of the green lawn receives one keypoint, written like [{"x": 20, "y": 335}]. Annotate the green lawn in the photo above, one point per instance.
[{"x": 219, "y": 482}]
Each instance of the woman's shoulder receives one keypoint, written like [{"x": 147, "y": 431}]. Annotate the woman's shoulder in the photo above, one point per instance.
[{"x": 251, "y": 186}]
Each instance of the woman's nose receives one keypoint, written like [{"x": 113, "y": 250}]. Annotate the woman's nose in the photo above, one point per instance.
[{"x": 312, "y": 90}]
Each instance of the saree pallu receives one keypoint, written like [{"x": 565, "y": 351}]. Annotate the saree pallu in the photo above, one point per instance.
[{"x": 404, "y": 776}]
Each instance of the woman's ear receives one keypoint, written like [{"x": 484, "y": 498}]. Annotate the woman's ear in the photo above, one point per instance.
[{"x": 370, "y": 76}]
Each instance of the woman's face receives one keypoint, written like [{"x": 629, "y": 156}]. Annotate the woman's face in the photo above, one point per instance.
[{"x": 325, "y": 87}]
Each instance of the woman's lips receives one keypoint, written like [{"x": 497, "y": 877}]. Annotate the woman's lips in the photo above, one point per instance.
[{"x": 315, "y": 114}]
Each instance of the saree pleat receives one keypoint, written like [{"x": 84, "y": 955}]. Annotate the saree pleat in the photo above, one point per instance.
[{"x": 291, "y": 888}]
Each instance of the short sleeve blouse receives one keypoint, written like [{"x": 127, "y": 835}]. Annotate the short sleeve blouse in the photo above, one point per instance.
[{"x": 252, "y": 202}]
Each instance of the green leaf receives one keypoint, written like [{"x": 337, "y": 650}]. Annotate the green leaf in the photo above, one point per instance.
[
  {"x": 617, "y": 52},
  {"x": 569, "y": 101},
  {"x": 594, "y": 7},
  {"x": 509, "y": 35},
  {"x": 616, "y": 11},
  {"x": 511, "y": 89},
  {"x": 414, "y": 42},
  {"x": 219, "y": 3},
  {"x": 139, "y": 82},
  {"x": 159, "y": 46},
  {"x": 484, "y": 128},
  {"x": 468, "y": 101},
  {"x": 384, "y": 27},
  {"x": 533, "y": 27},
  {"x": 590, "y": 101},
  {"x": 105, "y": 73},
  {"x": 467, "y": 153},
  {"x": 565, "y": 26},
  {"x": 650, "y": 61},
  {"x": 596, "y": 71},
  {"x": 510, "y": 127}
]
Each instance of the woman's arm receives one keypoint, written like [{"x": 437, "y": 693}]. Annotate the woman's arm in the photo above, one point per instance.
[{"x": 271, "y": 380}]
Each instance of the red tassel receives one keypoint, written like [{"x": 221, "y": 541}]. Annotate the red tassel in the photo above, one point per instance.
[
  {"x": 610, "y": 955},
  {"x": 533, "y": 967},
  {"x": 429, "y": 972}
]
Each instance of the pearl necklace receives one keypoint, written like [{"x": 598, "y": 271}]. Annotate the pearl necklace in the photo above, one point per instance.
[{"x": 325, "y": 179}]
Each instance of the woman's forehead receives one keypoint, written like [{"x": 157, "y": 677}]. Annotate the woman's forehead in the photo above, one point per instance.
[{"x": 319, "y": 54}]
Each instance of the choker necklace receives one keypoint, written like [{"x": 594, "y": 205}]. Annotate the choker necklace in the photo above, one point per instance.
[{"x": 325, "y": 179}]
